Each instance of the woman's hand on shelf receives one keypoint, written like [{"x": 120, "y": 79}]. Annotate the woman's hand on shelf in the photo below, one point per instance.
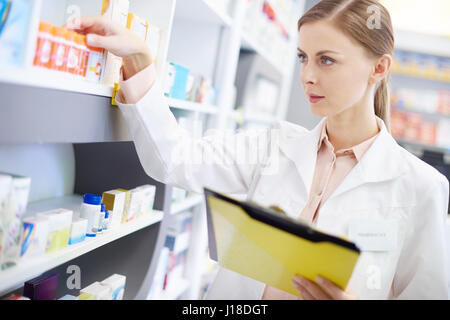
[
  {"x": 101, "y": 32},
  {"x": 322, "y": 289}
]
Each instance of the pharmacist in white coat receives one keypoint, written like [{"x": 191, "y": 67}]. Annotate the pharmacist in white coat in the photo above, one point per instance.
[{"x": 392, "y": 204}]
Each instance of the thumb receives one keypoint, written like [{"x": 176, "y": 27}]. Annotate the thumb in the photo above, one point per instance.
[{"x": 95, "y": 40}]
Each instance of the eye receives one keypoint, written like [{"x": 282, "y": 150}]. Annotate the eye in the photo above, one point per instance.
[
  {"x": 301, "y": 57},
  {"x": 326, "y": 60}
]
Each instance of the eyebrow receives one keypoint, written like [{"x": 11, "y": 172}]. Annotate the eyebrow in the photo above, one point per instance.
[{"x": 320, "y": 52}]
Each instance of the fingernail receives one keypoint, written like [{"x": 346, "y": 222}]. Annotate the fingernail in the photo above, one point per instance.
[{"x": 319, "y": 279}]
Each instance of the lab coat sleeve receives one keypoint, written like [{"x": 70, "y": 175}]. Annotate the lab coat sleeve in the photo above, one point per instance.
[
  {"x": 223, "y": 161},
  {"x": 423, "y": 269}
]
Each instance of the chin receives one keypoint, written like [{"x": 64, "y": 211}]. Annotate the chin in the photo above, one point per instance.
[{"x": 318, "y": 111}]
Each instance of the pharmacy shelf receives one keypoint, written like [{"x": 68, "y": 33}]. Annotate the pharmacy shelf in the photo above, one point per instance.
[
  {"x": 419, "y": 76},
  {"x": 14, "y": 277},
  {"x": 422, "y": 43},
  {"x": 174, "y": 290},
  {"x": 57, "y": 107},
  {"x": 45, "y": 78},
  {"x": 192, "y": 106},
  {"x": 42, "y": 115},
  {"x": 189, "y": 202},
  {"x": 421, "y": 146},
  {"x": 240, "y": 116},
  {"x": 250, "y": 44},
  {"x": 427, "y": 114},
  {"x": 206, "y": 11}
]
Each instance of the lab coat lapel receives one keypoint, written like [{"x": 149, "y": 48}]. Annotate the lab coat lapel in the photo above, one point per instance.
[
  {"x": 381, "y": 162},
  {"x": 302, "y": 150}
]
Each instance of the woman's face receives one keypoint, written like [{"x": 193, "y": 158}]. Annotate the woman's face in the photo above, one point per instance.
[{"x": 334, "y": 69}]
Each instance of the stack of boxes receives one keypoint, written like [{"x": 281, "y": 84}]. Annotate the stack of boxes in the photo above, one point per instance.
[
  {"x": 14, "y": 191},
  {"x": 112, "y": 288},
  {"x": 45, "y": 287},
  {"x": 27, "y": 237},
  {"x": 268, "y": 24},
  {"x": 66, "y": 51},
  {"x": 127, "y": 205},
  {"x": 421, "y": 65},
  {"x": 416, "y": 116},
  {"x": 182, "y": 84},
  {"x": 63, "y": 50},
  {"x": 177, "y": 241}
]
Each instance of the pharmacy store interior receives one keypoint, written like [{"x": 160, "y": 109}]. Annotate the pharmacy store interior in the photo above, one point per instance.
[{"x": 73, "y": 192}]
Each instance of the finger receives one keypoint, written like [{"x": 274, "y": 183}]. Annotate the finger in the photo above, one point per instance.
[
  {"x": 305, "y": 295},
  {"x": 312, "y": 288},
  {"x": 84, "y": 22},
  {"x": 107, "y": 42},
  {"x": 330, "y": 288},
  {"x": 95, "y": 24}
]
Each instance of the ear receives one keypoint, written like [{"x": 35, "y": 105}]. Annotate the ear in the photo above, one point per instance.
[{"x": 381, "y": 68}]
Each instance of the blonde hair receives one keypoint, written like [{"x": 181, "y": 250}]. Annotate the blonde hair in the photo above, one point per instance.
[{"x": 353, "y": 17}]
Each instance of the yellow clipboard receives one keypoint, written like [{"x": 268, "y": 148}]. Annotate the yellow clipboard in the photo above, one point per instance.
[{"x": 267, "y": 246}]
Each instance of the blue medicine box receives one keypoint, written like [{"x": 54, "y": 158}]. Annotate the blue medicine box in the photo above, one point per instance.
[{"x": 178, "y": 90}]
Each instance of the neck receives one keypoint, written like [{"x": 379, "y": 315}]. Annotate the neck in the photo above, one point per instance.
[{"x": 351, "y": 127}]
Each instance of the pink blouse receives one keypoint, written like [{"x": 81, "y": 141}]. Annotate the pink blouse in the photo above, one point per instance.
[{"x": 331, "y": 167}]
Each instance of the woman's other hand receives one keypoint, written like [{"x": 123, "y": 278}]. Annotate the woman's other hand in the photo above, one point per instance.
[
  {"x": 101, "y": 32},
  {"x": 321, "y": 289}
]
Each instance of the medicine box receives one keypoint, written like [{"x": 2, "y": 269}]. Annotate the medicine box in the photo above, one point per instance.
[
  {"x": 78, "y": 230},
  {"x": 42, "y": 287},
  {"x": 116, "y": 283},
  {"x": 5, "y": 190},
  {"x": 138, "y": 25},
  {"x": 11, "y": 220},
  {"x": 114, "y": 201},
  {"x": 60, "y": 221},
  {"x": 86, "y": 296},
  {"x": 99, "y": 291},
  {"x": 15, "y": 19},
  {"x": 17, "y": 297},
  {"x": 149, "y": 192},
  {"x": 126, "y": 207},
  {"x": 153, "y": 40},
  {"x": 180, "y": 78},
  {"x": 136, "y": 201},
  {"x": 117, "y": 11},
  {"x": 34, "y": 238},
  {"x": 68, "y": 297}
]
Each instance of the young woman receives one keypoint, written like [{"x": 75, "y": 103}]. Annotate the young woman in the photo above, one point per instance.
[{"x": 347, "y": 176}]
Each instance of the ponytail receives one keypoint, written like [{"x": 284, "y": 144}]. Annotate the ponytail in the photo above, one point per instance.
[{"x": 382, "y": 103}]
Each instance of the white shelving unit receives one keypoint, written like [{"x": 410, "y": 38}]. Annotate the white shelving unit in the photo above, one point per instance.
[
  {"x": 205, "y": 11},
  {"x": 42, "y": 78},
  {"x": 422, "y": 43},
  {"x": 199, "y": 34},
  {"x": 428, "y": 45},
  {"x": 175, "y": 290},
  {"x": 191, "y": 106},
  {"x": 28, "y": 269},
  {"x": 186, "y": 204}
]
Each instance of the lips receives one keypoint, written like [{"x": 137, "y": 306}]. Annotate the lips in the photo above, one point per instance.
[{"x": 313, "y": 98}]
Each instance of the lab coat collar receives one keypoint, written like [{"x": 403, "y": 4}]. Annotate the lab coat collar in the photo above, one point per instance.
[{"x": 381, "y": 162}]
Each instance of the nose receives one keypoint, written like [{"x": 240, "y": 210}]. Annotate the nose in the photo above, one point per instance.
[{"x": 307, "y": 74}]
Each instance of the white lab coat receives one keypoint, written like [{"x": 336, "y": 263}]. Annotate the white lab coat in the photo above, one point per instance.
[{"x": 388, "y": 183}]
